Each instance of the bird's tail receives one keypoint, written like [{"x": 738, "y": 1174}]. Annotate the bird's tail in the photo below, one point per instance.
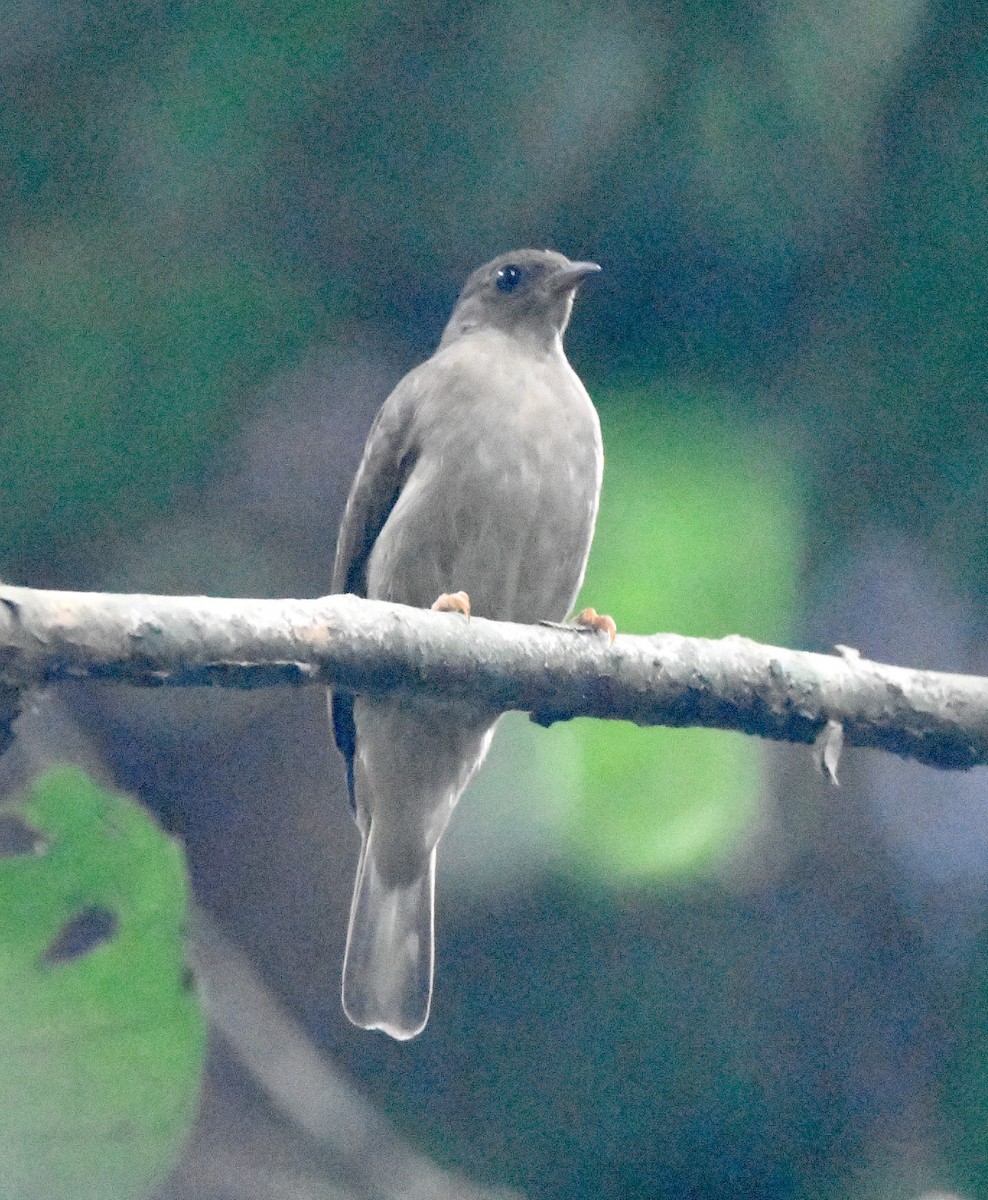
[{"x": 387, "y": 971}]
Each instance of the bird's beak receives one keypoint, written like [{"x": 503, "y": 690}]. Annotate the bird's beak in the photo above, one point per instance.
[{"x": 571, "y": 276}]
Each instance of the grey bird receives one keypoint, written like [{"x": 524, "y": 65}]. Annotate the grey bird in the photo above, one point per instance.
[{"x": 478, "y": 491}]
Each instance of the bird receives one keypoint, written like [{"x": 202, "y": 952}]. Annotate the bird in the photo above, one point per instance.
[{"x": 477, "y": 493}]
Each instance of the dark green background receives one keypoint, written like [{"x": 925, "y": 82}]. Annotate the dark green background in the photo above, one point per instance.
[{"x": 670, "y": 964}]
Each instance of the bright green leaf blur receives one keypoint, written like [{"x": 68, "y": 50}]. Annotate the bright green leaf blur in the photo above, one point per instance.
[
  {"x": 700, "y": 533},
  {"x": 102, "y": 1051}
]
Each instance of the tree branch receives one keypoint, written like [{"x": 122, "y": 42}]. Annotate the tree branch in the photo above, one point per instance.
[{"x": 368, "y": 646}]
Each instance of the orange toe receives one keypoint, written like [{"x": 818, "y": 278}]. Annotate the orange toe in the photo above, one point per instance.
[
  {"x": 452, "y": 602},
  {"x": 591, "y": 619}
]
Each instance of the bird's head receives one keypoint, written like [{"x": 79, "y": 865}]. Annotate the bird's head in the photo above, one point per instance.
[{"x": 525, "y": 293}]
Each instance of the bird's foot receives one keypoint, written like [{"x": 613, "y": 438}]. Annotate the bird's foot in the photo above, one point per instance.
[
  {"x": 591, "y": 619},
  {"x": 452, "y": 602}
]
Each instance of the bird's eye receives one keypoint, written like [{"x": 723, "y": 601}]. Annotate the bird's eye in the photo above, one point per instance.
[{"x": 508, "y": 278}]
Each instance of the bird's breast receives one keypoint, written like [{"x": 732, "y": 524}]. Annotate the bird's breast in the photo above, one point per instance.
[{"x": 502, "y": 502}]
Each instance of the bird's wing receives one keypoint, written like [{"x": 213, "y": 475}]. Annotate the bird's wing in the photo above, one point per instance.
[{"x": 389, "y": 457}]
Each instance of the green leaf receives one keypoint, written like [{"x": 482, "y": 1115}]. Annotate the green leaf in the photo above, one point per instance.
[{"x": 103, "y": 1038}]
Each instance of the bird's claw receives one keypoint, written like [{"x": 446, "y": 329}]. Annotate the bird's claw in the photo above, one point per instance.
[
  {"x": 452, "y": 602},
  {"x": 590, "y": 619}
]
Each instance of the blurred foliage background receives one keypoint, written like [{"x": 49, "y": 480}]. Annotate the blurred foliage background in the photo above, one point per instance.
[{"x": 670, "y": 963}]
